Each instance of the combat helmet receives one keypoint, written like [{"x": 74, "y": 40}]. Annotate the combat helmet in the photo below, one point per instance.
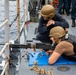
[
  {"x": 57, "y": 32},
  {"x": 48, "y": 11}
]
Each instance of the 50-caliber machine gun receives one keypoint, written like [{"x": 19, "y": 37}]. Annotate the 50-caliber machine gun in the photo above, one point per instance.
[
  {"x": 34, "y": 45},
  {"x": 15, "y": 53}
]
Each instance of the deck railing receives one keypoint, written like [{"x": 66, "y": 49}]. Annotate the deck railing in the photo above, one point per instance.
[
  {"x": 1, "y": 25},
  {"x": 5, "y": 50},
  {"x": 6, "y": 64},
  {"x": 5, "y": 68}
]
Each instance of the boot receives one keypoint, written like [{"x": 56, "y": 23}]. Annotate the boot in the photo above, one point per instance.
[{"x": 73, "y": 22}]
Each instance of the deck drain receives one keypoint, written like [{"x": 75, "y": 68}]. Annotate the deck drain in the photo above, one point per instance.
[{"x": 63, "y": 68}]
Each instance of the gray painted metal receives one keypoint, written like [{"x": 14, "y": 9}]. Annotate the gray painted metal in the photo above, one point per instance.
[{"x": 31, "y": 32}]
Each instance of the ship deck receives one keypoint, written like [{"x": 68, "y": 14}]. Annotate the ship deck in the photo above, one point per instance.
[{"x": 55, "y": 69}]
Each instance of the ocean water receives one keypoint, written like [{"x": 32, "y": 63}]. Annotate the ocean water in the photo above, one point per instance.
[{"x": 12, "y": 15}]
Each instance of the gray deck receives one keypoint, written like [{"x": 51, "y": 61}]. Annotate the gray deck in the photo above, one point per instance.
[{"x": 25, "y": 69}]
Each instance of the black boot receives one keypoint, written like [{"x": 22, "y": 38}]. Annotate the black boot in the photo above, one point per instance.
[{"x": 73, "y": 22}]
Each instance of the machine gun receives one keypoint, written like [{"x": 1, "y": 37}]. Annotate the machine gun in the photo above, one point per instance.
[
  {"x": 34, "y": 46},
  {"x": 43, "y": 46}
]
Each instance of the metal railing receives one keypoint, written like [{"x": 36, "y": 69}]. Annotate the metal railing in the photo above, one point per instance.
[
  {"x": 5, "y": 68},
  {"x": 5, "y": 50},
  {"x": 1, "y": 25},
  {"x": 25, "y": 17}
]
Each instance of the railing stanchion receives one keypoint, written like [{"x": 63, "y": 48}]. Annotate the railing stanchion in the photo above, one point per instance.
[
  {"x": 18, "y": 24},
  {"x": 6, "y": 13}
]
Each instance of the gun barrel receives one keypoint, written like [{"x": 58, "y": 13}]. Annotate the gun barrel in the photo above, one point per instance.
[{"x": 29, "y": 45}]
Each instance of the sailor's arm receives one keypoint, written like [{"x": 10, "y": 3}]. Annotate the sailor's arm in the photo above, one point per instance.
[
  {"x": 53, "y": 58},
  {"x": 59, "y": 50}
]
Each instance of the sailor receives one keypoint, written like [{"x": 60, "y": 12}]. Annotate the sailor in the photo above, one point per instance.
[
  {"x": 48, "y": 20},
  {"x": 64, "y": 47}
]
